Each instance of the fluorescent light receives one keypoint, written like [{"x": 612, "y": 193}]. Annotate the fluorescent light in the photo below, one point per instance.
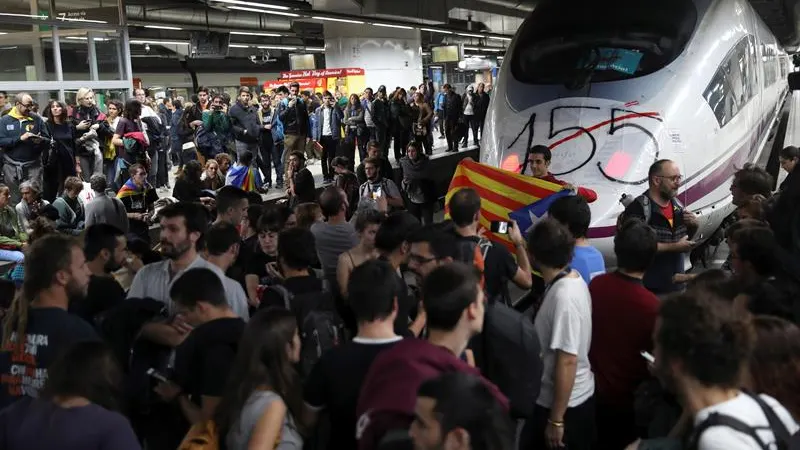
[
  {"x": 433, "y": 30},
  {"x": 162, "y": 27},
  {"x": 81, "y": 38},
  {"x": 499, "y": 38},
  {"x": 485, "y": 49},
  {"x": 426, "y": 53},
  {"x": 479, "y": 36},
  {"x": 257, "y": 5},
  {"x": 247, "y": 33},
  {"x": 333, "y": 19},
  {"x": 239, "y": 46},
  {"x": 147, "y": 41},
  {"x": 478, "y": 56},
  {"x": 264, "y": 11},
  {"x": 388, "y": 25},
  {"x": 24, "y": 15},
  {"x": 3, "y": 32},
  {"x": 277, "y": 47},
  {"x": 315, "y": 49}
]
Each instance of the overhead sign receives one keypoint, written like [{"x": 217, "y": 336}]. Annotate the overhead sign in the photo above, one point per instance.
[
  {"x": 323, "y": 73},
  {"x": 92, "y": 15},
  {"x": 248, "y": 81},
  {"x": 209, "y": 44},
  {"x": 446, "y": 53},
  {"x": 306, "y": 84}
]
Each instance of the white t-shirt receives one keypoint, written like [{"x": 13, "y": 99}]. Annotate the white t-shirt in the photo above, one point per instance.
[
  {"x": 564, "y": 322},
  {"x": 745, "y": 409}
]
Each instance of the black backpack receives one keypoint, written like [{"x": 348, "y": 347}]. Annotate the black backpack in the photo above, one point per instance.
[
  {"x": 783, "y": 440},
  {"x": 320, "y": 326},
  {"x": 512, "y": 357}
]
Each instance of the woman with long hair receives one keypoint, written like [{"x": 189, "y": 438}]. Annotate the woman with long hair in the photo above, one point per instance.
[
  {"x": 418, "y": 184},
  {"x": 62, "y": 160},
  {"x": 115, "y": 108},
  {"x": 190, "y": 121},
  {"x": 355, "y": 127},
  {"x": 130, "y": 127},
  {"x": 93, "y": 130},
  {"x": 401, "y": 122},
  {"x": 212, "y": 178},
  {"x": 189, "y": 186},
  {"x": 263, "y": 401},
  {"x": 422, "y": 114},
  {"x": 78, "y": 408}
]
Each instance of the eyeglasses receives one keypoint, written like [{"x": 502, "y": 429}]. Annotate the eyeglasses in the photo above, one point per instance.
[
  {"x": 419, "y": 259},
  {"x": 27, "y": 105}
]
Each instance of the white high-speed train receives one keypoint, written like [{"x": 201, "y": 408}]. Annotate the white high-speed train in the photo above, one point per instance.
[{"x": 613, "y": 85}]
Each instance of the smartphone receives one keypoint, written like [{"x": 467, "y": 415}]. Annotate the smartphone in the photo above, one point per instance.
[
  {"x": 650, "y": 358},
  {"x": 157, "y": 375},
  {"x": 377, "y": 193},
  {"x": 499, "y": 227}
]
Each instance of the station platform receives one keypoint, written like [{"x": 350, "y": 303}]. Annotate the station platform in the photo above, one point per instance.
[{"x": 443, "y": 166}]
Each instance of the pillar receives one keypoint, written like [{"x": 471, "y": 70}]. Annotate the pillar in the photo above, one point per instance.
[{"x": 389, "y": 56}]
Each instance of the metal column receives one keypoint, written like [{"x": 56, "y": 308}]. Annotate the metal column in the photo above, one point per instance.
[
  {"x": 57, "y": 61},
  {"x": 93, "y": 75}
]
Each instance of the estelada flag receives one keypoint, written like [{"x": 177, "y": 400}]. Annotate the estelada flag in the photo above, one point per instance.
[{"x": 502, "y": 192}]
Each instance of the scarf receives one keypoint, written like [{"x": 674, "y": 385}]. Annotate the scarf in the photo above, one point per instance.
[
  {"x": 130, "y": 189},
  {"x": 16, "y": 114}
]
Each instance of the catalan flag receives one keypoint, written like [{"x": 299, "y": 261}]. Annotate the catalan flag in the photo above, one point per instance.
[
  {"x": 502, "y": 193},
  {"x": 246, "y": 178}
]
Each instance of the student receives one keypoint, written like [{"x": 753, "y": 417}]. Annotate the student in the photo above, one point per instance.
[
  {"x": 454, "y": 305},
  {"x": 573, "y": 212},
  {"x": 78, "y": 409},
  {"x": 39, "y": 313},
  {"x": 203, "y": 360},
  {"x": 564, "y": 412},
  {"x": 263, "y": 402},
  {"x": 336, "y": 380}
]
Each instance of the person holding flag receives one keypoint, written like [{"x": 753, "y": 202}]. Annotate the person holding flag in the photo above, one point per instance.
[{"x": 539, "y": 157}]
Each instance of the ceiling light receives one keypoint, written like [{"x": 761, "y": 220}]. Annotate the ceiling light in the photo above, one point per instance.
[
  {"x": 24, "y": 15},
  {"x": 479, "y": 36},
  {"x": 433, "y": 30},
  {"x": 3, "y": 32},
  {"x": 257, "y": 5},
  {"x": 315, "y": 49},
  {"x": 485, "y": 49},
  {"x": 147, "y": 41},
  {"x": 277, "y": 47},
  {"x": 239, "y": 46},
  {"x": 81, "y": 38},
  {"x": 264, "y": 11},
  {"x": 478, "y": 56},
  {"x": 500, "y": 38},
  {"x": 333, "y": 19},
  {"x": 162, "y": 27},
  {"x": 388, "y": 25},
  {"x": 247, "y": 33}
]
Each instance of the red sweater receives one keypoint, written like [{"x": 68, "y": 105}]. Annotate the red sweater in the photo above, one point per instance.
[
  {"x": 588, "y": 194},
  {"x": 623, "y": 317}
]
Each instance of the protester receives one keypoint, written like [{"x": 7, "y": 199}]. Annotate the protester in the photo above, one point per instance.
[
  {"x": 104, "y": 208},
  {"x": 539, "y": 158}
]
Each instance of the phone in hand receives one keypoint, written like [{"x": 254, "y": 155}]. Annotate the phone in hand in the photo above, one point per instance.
[
  {"x": 499, "y": 227},
  {"x": 377, "y": 193},
  {"x": 157, "y": 375},
  {"x": 649, "y": 357}
]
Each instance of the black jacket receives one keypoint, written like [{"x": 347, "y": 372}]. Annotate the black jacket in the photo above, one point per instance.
[
  {"x": 295, "y": 120},
  {"x": 453, "y": 106},
  {"x": 245, "y": 123}
]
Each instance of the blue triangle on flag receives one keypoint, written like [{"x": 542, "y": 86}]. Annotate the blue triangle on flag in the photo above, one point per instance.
[{"x": 534, "y": 213}]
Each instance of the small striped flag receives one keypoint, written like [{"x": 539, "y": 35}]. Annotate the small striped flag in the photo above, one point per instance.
[{"x": 502, "y": 192}]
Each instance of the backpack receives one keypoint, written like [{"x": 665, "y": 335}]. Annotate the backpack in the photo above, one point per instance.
[
  {"x": 207, "y": 143},
  {"x": 511, "y": 357},
  {"x": 278, "y": 134},
  {"x": 783, "y": 440},
  {"x": 320, "y": 326},
  {"x": 202, "y": 436},
  {"x": 474, "y": 254}
]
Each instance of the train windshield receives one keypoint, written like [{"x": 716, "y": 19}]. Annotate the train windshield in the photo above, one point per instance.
[{"x": 577, "y": 42}]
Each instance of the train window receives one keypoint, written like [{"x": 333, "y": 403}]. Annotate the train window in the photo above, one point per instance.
[
  {"x": 576, "y": 42},
  {"x": 734, "y": 83}
]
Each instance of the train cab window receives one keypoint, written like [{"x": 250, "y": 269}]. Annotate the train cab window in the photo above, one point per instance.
[
  {"x": 577, "y": 42},
  {"x": 734, "y": 83}
]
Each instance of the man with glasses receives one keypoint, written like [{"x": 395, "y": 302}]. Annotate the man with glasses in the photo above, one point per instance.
[
  {"x": 23, "y": 138},
  {"x": 539, "y": 157},
  {"x": 672, "y": 223}
]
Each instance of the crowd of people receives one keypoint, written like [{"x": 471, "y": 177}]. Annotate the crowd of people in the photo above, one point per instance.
[{"x": 350, "y": 319}]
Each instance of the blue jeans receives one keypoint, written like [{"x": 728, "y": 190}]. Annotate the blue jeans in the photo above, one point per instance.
[{"x": 12, "y": 255}]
